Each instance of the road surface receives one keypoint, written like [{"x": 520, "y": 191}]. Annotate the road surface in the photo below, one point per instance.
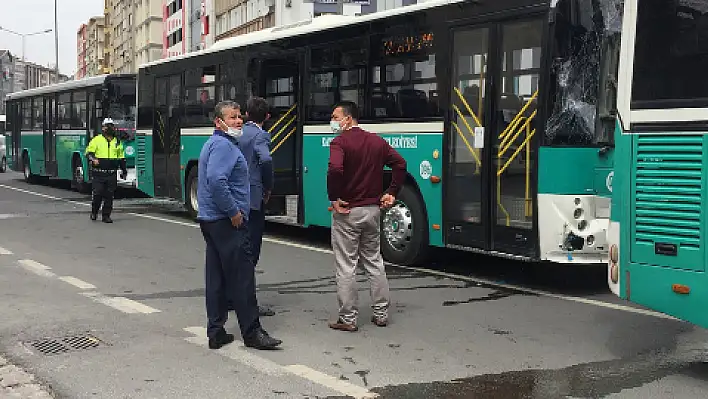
[{"x": 117, "y": 311}]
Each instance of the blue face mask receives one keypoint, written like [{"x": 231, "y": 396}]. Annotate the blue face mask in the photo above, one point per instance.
[{"x": 335, "y": 126}]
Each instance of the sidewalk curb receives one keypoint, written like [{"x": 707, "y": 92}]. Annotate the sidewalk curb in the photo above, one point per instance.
[{"x": 18, "y": 383}]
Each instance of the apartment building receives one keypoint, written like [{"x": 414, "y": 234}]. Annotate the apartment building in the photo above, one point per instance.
[
  {"x": 16, "y": 75},
  {"x": 148, "y": 31},
  {"x": 237, "y": 17},
  {"x": 95, "y": 46},
  {"x": 187, "y": 26},
  {"x": 133, "y": 34},
  {"x": 81, "y": 52}
]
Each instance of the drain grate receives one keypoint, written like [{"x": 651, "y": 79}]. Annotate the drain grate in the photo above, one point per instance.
[{"x": 55, "y": 346}]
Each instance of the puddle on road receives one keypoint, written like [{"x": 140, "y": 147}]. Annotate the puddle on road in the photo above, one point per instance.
[{"x": 589, "y": 380}]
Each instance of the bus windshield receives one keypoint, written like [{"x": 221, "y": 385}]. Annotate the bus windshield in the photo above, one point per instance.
[
  {"x": 583, "y": 71},
  {"x": 121, "y": 101}
]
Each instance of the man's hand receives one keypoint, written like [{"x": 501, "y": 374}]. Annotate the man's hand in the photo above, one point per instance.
[
  {"x": 94, "y": 162},
  {"x": 266, "y": 197},
  {"x": 340, "y": 207},
  {"x": 237, "y": 219},
  {"x": 387, "y": 201}
]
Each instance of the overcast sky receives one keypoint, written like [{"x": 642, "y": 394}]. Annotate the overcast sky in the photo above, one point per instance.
[{"x": 29, "y": 16}]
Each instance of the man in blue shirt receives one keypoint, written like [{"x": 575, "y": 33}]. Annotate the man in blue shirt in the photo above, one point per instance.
[
  {"x": 255, "y": 146},
  {"x": 223, "y": 193}
]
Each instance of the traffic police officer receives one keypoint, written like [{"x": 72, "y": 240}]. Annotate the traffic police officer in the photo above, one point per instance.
[{"x": 105, "y": 152}]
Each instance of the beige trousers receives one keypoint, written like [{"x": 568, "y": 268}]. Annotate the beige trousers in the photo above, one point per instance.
[{"x": 356, "y": 240}]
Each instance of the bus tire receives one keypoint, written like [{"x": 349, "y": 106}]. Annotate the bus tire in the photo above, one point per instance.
[
  {"x": 190, "y": 199},
  {"x": 78, "y": 182},
  {"x": 404, "y": 229},
  {"x": 3, "y": 165}
]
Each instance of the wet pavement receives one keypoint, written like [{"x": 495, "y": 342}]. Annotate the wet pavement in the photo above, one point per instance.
[{"x": 137, "y": 286}]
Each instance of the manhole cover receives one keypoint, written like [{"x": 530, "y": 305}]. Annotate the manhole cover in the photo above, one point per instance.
[{"x": 54, "y": 346}]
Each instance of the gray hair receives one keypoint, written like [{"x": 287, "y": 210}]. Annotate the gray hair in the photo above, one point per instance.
[{"x": 221, "y": 106}]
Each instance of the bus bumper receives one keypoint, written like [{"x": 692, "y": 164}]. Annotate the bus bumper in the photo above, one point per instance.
[{"x": 129, "y": 181}]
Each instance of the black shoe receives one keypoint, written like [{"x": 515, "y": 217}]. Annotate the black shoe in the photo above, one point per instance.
[
  {"x": 107, "y": 219},
  {"x": 265, "y": 311},
  {"x": 221, "y": 339},
  {"x": 94, "y": 216},
  {"x": 261, "y": 340}
]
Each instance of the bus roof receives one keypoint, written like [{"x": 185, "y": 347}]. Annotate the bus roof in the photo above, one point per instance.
[
  {"x": 321, "y": 23},
  {"x": 69, "y": 85}
]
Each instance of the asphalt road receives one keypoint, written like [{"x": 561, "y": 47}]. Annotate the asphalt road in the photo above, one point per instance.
[{"x": 122, "y": 308}]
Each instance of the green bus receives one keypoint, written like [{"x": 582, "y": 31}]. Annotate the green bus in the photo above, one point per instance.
[
  {"x": 658, "y": 251},
  {"x": 49, "y": 127},
  {"x": 503, "y": 110}
]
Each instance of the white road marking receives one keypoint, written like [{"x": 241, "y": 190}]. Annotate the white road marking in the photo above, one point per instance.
[
  {"x": 123, "y": 304},
  {"x": 36, "y": 268},
  {"x": 4, "y": 251},
  {"x": 77, "y": 283},
  {"x": 586, "y": 301},
  {"x": 237, "y": 351},
  {"x": 330, "y": 382}
]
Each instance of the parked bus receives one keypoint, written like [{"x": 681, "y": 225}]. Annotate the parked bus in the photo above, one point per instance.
[
  {"x": 502, "y": 110},
  {"x": 658, "y": 230},
  {"x": 51, "y": 126}
]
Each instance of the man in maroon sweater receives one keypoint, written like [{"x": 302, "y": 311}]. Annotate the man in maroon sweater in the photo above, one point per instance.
[{"x": 354, "y": 185}]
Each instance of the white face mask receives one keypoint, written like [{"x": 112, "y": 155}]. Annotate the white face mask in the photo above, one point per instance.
[
  {"x": 335, "y": 126},
  {"x": 235, "y": 133}
]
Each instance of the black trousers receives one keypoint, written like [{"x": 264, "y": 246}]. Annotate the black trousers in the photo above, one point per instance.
[
  {"x": 104, "y": 188},
  {"x": 230, "y": 277},
  {"x": 256, "y": 226}
]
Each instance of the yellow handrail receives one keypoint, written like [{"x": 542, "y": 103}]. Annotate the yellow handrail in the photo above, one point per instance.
[
  {"x": 526, "y": 142},
  {"x": 467, "y": 143},
  {"x": 513, "y": 139},
  {"x": 285, "y": 126},
  {"x": 469, "y": 109},
  {"x": 282, "y": 117},
  {"x": 283, "y": 140},
  {"x": 518, "y": 115}
]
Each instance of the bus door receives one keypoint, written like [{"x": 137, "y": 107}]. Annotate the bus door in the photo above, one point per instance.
[
  {"x": 280, "y": 85},
  {"x": 166, "y": 137},
  {"x": 490, "y": 191},
  {"x": 15, "y": 126},
  {"x": 49, "y": 133}
]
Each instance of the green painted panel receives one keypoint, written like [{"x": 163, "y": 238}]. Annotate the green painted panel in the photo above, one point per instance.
[
  {"x": 667, "y": 200},
  {"x": 652, "y": 287},
  {"x": 34, "y": 145},
  {"x": 571, "y": 170},
  {"x": 417, "y": 149},
  {"x": 67, "y": 145},
  {"x": 143, "y": 165}
]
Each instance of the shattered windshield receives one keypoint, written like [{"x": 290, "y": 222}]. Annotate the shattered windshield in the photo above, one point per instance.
[
  {"x": 121, "y": 101},
  {"x": 583, "y": 71}
]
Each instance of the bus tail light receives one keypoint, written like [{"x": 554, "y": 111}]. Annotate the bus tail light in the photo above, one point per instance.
[{"x": 681, "y": 289}]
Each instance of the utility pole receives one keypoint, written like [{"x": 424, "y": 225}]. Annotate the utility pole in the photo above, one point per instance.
[
  {"x": 24, "y": 36},
  {"x": 56, "y": 42}
]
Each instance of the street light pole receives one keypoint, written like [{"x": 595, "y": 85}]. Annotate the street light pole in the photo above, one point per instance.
[
  {"x": 23, "y": 36},
  {"x": 56, "y": 41}
]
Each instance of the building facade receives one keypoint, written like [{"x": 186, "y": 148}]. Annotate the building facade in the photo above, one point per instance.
[
  {"x": 81, "y": 51},
  {"x": 17, "y": 75},
  {"x": 133, "y": 34},
  {"x": 187, "y": 26},
  {"x": 237, "y": 17},
  {"x": 95, "y": 46}
]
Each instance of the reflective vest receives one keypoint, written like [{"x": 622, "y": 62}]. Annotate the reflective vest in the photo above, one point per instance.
[{"x": 109, "y": 154}]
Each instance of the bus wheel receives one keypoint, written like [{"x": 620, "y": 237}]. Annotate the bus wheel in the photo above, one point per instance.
[
  {"x": 79, "y": 183},
  {"x": 3, "y": 165},
  {"x": 191, "y": 197},
  {"x": 404, "y": 231}
]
